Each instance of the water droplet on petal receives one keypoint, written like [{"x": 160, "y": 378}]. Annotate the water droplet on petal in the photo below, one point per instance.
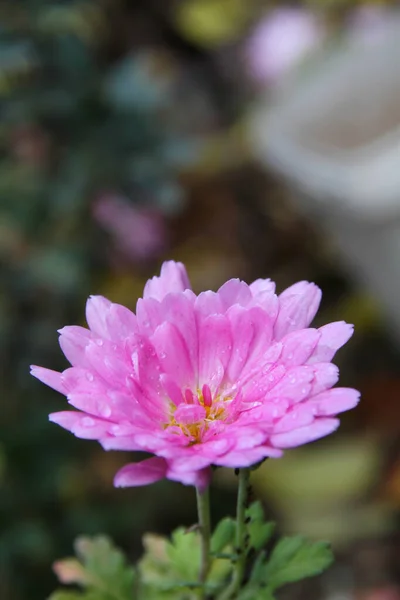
[
  {"x": 163, "y": 355},
  {"x": 105, "y": 411},
  {"x": 99, "y": 342},
  {"x": 89, "y": 376},
  {"x": 88, "y": 422},
  {"x": 290, "y": 356}
]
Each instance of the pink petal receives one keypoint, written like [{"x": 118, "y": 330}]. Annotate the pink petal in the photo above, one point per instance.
[
  {"x": 173, "y": 278},
  {"x": 149, "y": 315},
  {"x": 172, "y": 390},
  {"x": 125, "y": 443},
  {"x": 295, "y": 385},
  {"x": 326, "y": 375},
  {"x": 73, "y": 341},
  {"x": 318, "y": 429},
  {"x": 80, "y": 424},
  {"x": 298, "y": 346},
  {"x": 173, "y": 354},
  {"x": 199, "y": 479},
  {"x": 209, "y": 303},
  {"x": 142, "y": 473},
  {"x": 51, "y": 378},
  {"x": 149, "y": 369},
  {"x": 96, "y": 313},
  {"x": 297, "y": 417},
  {"x": 108, "y": 361},
  {"x": 298, "y": 306},
  {"x": 246, "y": 458},
  {"x": 243, "y": 332},
  {"x": 262, "y": 285},
  {"x": 215, "y": 345},
  {"x": 335, "y": 401},
  {"x": 332, "y": 337},
  {"x": 189, "y": 462},
  {"x": 121, "y": 322},
  {"x": 234, "y": 291},
  {"x": 187, "y": 414},
  {"x": 178, "y": 309}
]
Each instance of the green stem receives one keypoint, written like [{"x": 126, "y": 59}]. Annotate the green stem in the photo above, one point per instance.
[
  {"x": 238, "y": 573},
  {"x": 203, "y": 509}
]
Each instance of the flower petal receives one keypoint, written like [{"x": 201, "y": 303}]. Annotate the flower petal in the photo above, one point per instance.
[
  {"x": 318, "y": 429},
  {"x": 173, "y": 278},
  {"x": 80, "y": 424},
  {"x": 298, "y": 305},
  {"x": 335, "y": 401},
  {"x": 298, "y": 346},
  {"x": 97, "y": 308},
  {"x": 73, "y": 341},
  {"x": 173, "y": 355},
  {"x": 142, "y": 473},
  {"x": 332, "y": 337},
  {"x": 234, "y": 291},
  {"x": 215, "y": 345},
  {"x": 51, "y": 378}
]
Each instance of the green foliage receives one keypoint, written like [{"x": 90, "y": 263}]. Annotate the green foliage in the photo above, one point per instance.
[
  {"x": 224, "y": 535},
  {"x": 296, "y": 558},
  {"x": 291, "y": 559},
  {"x": 169, "y": 568},
  {"x": 258, "y": 530},
  {"x": 101, "y": 571}
]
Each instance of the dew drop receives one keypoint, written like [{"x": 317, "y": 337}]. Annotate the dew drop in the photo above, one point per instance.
[
  {"x": 105, "y": 411},
  {"x": 271, "y": 378},
  {"x": 290, "y": 356},
  {"x": 99, "y": 342},
  {"x": 88, "y": 422},
  {"x": 89, "y": 376},
  {"x": 163, "y": 355},
  {"x": 293, "y": 380}
]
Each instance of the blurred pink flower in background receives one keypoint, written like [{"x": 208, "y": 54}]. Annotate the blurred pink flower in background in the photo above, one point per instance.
[
  {"x": 224, "y": 378},
  {"x": 280, "y": 40},
  {"x": 138, "y": 233}
]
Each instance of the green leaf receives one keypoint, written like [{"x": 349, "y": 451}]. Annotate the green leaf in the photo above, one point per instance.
[
  {"x": 101, "y": 571},
  {"x": 259, "y": 531},
  {"x": 62, "y": 595},
  {"x": 184, "y": 553},
  {"x": 295, "y": 558},
  {"x": 223, "y": 535}
]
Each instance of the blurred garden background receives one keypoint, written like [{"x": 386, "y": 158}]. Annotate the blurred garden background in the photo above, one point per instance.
[{"x": 245, "y": 138}]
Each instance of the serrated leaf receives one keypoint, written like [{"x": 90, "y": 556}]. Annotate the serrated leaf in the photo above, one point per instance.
[
  {"x": 184, "y": 553},
  {"x": 223, "y": 535},
  {"x": 259, "y": 531},
  {"x": 102, "y": 571},
  {"x": 295, "y": 558},
  {"x": 255, "y": 511}
]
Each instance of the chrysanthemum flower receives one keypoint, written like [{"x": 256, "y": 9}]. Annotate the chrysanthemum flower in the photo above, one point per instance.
[{"x": 223, "y": 378}]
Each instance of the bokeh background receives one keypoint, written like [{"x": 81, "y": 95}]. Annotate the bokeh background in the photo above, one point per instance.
[{"x": 247, "y": 139}]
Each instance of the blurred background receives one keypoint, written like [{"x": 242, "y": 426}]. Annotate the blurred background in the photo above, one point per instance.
[{"x": 247, "y": 139}]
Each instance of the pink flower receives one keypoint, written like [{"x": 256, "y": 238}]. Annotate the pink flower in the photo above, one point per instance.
[
  {"x": 223, "y": 378},
  {"x": 280, "y": 40},
  {"x": 139, "y": 233}
]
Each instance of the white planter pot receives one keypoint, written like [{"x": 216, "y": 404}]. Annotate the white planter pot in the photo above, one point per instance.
[{"x": 334, "y": 134}]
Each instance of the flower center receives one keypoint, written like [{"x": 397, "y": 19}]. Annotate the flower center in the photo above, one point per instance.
[{"x": 195, "y": 414}]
